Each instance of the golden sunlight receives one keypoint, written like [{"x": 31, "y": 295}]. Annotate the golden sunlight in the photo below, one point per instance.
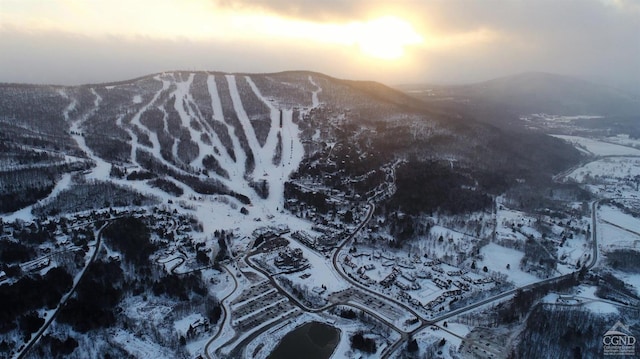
[
  {"x": 385, "y": 38},
  {"x": 382, "y": 38}
]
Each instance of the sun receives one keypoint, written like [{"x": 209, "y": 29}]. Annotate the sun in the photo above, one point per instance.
[{"x": 385, "y": 38}]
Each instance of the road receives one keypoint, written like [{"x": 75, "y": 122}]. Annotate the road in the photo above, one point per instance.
[
  {"x": 594, "y": 233},
  {"x": 594, "y": 260},
  {"x": 424, "y": 323},
  {"x": 63, "y": 300},
  {"x": 225, "y": 313}
]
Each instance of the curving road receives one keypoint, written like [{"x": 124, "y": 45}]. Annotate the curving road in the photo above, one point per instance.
[
  {"x": 424, "y": 323},
  {"x": 594, "y": 260},
  {"x": 63, "y": 300},
  {"x": 225, "y": 313}
]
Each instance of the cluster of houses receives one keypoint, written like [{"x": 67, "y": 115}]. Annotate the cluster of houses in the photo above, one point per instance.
[
  {"x": 270, "y": 238},
  {"x": 291, "y": 259},
  {"x": 361, "y": 274},
  {"x": 405, "y": 275},
  {"x": 305, "y": 238}
]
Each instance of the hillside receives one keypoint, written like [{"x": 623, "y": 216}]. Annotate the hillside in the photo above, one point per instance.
[
  {"x": 242, "y": 135},
  {"x": 190, "y": 201},
  {"x": 504, "y": 99}
]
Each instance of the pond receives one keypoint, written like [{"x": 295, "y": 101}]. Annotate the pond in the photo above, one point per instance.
[{"x": 312, "y": 340}]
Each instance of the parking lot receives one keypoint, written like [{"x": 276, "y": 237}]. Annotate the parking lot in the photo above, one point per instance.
[
  {"x": 384, "y": 309},
  {"x": 259, "y": 304}
]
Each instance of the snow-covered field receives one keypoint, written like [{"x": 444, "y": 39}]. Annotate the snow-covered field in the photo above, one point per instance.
[
  {"x": 600, "y": 148},
  {"x": 617, "y": 230},
  {"x": 139, "y": 348},
  {"x": 609, "y": 170},
  {"x": 497, "y": 257}
]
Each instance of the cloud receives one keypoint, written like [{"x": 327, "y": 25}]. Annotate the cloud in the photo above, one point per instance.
[
  {"x": 71, "y": 59},
  {"x": 324, "y": 10},
  {"x": 464, "y": 40}
]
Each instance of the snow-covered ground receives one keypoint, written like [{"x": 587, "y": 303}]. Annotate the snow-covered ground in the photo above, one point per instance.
[
  {"x": 607, "y": 169},
  {"x": 616, "y": 229},
  {"x": 624, "y": 140},
  {"x": 600, "y": 148},
  {"x": 497, "y": 257},
  {"x": 218, "y": 212},
  {"x": 615, "y": 216},
  {"x": 321, "y": 271},
  {"x": 593, "y": 302},
  {"x": 139, "y": 348}
]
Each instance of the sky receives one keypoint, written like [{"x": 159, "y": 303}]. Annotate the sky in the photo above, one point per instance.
[{"x": 395, "y": 42}]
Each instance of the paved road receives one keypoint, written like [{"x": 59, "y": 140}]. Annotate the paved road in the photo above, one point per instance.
[
  {"x": 594, "y": 260},
  {"x": 594, "y": 233},
  {"x": 424, "y": 323},
  {"x": 63, "y": 300},
  {"x": 225, "y": 313}
]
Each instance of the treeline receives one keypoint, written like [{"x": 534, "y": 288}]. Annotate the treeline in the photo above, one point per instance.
[
  {"x": 210, "y": 163},
  {"x": 317, "y": 200},
  {"x": 202, "y": 186},
  {"x": 290, "y": 89},
  {"x": 258, "y": 112},
  {"x": 167, "y": 186},
  {"x": 626, "y": 260},
  {"x": 23, "y": 187},
  {"x": 94, "y": 304},
  {"x": 362, "y": 343},
  {"x": 427, "y": 187},
  {"x": 612, "y": 288},
  {"x": 523, "y": 300},
  {"x": 131, "y": 237},
  {"x": 563, "y": 333},
  {"x": 231, "y": 118},
  {"x": 35, "y": 107},
  {"x": 92, "y": 195},
  {"x": 14, "y": 252},
  {"x": 30, "y": 293}
]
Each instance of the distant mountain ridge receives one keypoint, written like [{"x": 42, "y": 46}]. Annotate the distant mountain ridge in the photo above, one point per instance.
[{"x": 535, "y": 92}]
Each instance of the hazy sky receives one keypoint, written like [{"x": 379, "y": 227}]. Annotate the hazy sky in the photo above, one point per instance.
[{"x": 400, "y": 41}]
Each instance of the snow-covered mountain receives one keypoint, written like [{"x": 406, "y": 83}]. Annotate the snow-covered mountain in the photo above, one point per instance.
[
  {"x": 187, "y": 214},
  {"x": 202, "y": 133}
]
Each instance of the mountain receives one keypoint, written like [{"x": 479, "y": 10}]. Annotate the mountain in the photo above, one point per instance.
[
  {"x": 532, "y": 92},
  {"x": 179, "y": 205},
  {"x": 186, "y": 134}
]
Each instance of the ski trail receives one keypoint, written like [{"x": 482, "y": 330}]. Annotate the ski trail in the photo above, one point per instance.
[
  {"x": 135, "y": 121},
  {"x": 186, "y": 110},
  {"x": 247, "y": 127},
  {"x": 72, "y": 105},
  {"x": 277, "y": 175},
  {"x": 25, "y": 213},
  {"x": 102, "y": 168},
  {"x": 183, "y": 97},
  {"x": 315, "y": 102},
  {"x": 272, "y": 140},
  {"x": 153, "y": 137},
  {"x": 182, "y": 105},
  {"x": 234, "y": 168}
]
